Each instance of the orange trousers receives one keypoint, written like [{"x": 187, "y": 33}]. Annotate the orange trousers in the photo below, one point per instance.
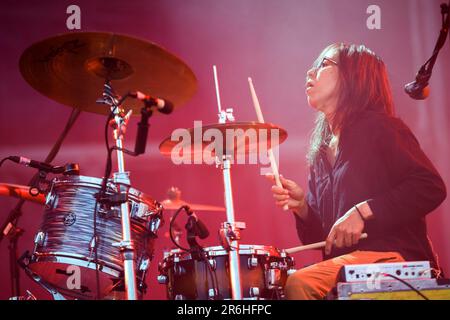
[{"x": 314, "y": 282}]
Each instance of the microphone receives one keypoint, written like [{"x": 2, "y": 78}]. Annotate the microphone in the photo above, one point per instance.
[
  {"x": 163, "y": 106},
  {"x": 70, "y": 169},
  {"x": 142, "y": 132},
  {"x": 418, "y": 89},
  {"x": 196, "y": 225}
]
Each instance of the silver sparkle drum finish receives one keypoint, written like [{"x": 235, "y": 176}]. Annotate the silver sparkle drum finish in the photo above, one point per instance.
[
  {"x": 264, "y": 271},
  {"x": 64, "y": 254}
]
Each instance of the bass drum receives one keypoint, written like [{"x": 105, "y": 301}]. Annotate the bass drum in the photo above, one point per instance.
[
  {"x": 263, "y": 272},
  {"x": 64, "y": 253}
]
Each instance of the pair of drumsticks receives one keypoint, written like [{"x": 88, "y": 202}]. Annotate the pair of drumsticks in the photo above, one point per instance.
[{"x": 273, "y": 163}]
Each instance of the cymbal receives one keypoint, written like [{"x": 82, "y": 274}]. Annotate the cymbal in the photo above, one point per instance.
[
  {"x": 174, "y": 202},
  {"x": 238, "y": 138},
  {"x": 72, "y": 68},
  {"x": 175, "y": 205},
  {"x": 21, "y": 192}
]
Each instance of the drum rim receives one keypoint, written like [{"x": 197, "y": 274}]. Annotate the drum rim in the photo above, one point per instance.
[
  {"x": 106, "y": 267},
  {"x": 214, "y": 251},
  {"x": 95, "y": 182}
]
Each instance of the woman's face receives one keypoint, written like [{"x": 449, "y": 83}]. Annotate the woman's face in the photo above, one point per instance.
[{"x": 322, "y": 84}]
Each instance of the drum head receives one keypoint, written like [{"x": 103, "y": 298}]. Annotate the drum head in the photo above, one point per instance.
[{"x": 75, "y": 277}]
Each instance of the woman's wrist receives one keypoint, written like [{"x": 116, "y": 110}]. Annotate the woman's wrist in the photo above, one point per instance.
[
  {"x": 302, "y": 210},
  {"x": 364, "y": 210}
]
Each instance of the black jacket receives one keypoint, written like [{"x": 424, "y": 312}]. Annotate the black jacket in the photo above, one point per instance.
[{"x": 379, "y": 160}]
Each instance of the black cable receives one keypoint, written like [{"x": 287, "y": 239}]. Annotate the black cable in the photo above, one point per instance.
[
  {"x": 212, "y": 273},
  {"x": 172, "y": 222},
  {"x": 102, "y": 194},
  {"x": 429, "y": 64},
  {"x": 108, "y": 169},
  {"x": 3, "y": 160},
  {"x": 97, "y": 274},
  {"x": 406, "y": 284}
]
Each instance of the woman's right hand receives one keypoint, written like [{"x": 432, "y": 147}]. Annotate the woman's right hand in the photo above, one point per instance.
[{"x": 291, "y": 195}]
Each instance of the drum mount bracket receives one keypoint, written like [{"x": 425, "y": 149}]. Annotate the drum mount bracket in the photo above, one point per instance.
[
  {"x": 230, "y": 232},
  {"x": 124, "y": 245}
]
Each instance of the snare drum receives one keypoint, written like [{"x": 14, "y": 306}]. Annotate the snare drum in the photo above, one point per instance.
[
  {"x": 263, "y": 273},
  {"x": 64, "y": 254}
]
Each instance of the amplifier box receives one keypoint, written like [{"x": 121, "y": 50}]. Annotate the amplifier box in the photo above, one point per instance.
[
  {"x": 402, "y": 270},
  {"x": 431, "y": 289}
]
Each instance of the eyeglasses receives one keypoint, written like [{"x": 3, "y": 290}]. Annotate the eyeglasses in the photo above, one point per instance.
[{"x": 326, "y": 62}]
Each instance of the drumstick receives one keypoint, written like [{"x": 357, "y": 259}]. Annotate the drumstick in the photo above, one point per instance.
[
  {"x": 311, "y": 246},
  {"x": 273, "y": 163},
  {"x": 21, "y": 192},
  {"x": 216, "y": 82}
]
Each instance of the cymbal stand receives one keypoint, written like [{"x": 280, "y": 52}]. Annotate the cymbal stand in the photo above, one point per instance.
[
  {"x": 122, "y": 181},
  {"x": 230, "y": 230}
]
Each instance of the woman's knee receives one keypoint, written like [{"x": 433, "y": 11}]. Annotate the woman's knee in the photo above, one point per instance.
[{"x": 299, "y": 286}]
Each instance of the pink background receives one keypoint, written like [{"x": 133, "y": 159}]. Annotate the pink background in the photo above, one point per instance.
[{"x": 274, "y": 42}]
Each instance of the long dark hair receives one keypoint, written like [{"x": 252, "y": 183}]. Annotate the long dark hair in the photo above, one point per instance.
[{"x": 363, "y": 85}]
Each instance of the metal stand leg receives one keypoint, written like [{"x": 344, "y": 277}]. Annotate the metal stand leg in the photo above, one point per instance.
[
  {"x": 121, "y": 178},
  {"x": 122, "y": 181},
  {"x": 232, "y": 236}
]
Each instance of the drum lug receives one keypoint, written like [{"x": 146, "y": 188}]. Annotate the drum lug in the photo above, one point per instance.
[
  {"x": 180, "y": 297},
  {"x": 273, "y": 278},
  {"x": 252, "y": 263},
  {"x": 212, "y": 294},
  {"x": 179, "y": 270},
  {"x": 50, "y": 200},
  {"x": 154, "y": 225},
  {"x": 254, "y": 292},
  {"x": 213, "y": 264},
  {"x": 39, "y": 238},
  {"x": 143, "y": 266},
  {"x": 162, "y": 279}
]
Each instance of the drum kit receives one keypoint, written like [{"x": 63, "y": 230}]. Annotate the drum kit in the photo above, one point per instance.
[{"x": 105, "y": 228}]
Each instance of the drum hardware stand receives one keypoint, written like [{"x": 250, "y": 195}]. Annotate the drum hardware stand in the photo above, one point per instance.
[
  {"x": 23, "y": 262},
  {"x": 122, "y": 179},
  {"x": 14, "y": 234},
  {"x": 28, "y": 296},
  {"x": 230, "y": 230},
  {"x": 224, "y": 162},
  {"x": 9, "y": 228}
]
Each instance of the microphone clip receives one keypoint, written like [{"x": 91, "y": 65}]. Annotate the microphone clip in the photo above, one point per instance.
[{"x": 195, "y": 228}]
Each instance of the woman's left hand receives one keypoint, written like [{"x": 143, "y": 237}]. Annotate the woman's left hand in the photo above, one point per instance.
[{"x": 346, "y": 231}]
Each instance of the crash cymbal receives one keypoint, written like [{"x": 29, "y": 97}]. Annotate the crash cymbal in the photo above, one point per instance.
[
  {"x": 21, "y": 192},
  {"x": 72, "y": 68},
  {"x": 174, "y": 202},
  {"x": 234, "y": 138}
]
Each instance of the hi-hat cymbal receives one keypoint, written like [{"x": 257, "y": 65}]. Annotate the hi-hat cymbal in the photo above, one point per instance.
[
  {"x": 174, "y": 202},
  {"x": 72, "y": 68},
  {"x": 235, "y": 138},
  {"x": 21, "y": 192}
]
